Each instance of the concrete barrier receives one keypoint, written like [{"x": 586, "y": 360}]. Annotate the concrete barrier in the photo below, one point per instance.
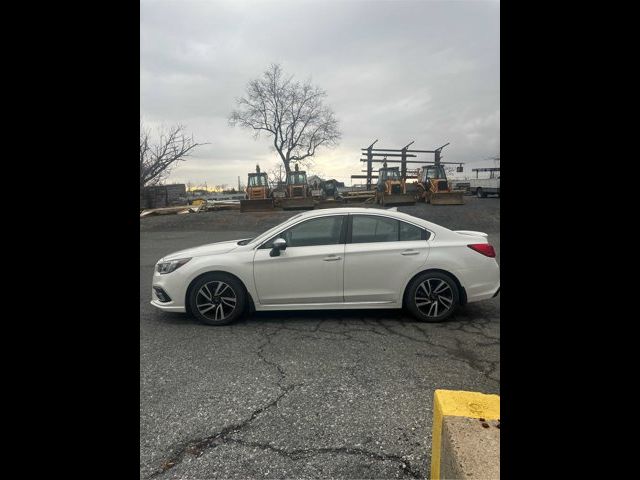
[{"x": 466, "y": 436}]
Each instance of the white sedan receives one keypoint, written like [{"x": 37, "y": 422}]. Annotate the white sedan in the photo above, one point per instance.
[{"x": 341, "y": 258}]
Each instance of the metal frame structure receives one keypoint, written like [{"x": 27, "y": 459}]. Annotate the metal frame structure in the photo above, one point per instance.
[{"x": 404, "y": 153}]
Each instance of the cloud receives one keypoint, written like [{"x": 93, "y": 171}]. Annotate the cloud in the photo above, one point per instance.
[{"x": 394, "y": 70}]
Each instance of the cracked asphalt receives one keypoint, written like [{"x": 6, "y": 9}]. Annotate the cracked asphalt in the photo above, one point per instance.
[{"x": 325, "y": 394}]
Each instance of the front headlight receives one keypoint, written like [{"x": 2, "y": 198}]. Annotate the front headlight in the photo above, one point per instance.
[{"x": 171, "y": 265}]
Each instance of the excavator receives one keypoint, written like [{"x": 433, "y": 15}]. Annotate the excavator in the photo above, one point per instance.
[
  {"x": 297, "y": 196},
  {"x": 392, "y": 188},
  {"x": 434, "y": 188},
  {"x": 258, "y": 194}
]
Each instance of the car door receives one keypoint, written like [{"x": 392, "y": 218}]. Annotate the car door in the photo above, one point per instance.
[
  {"x": 380, "y": 255},
  {"x": 309, "y": 270}
]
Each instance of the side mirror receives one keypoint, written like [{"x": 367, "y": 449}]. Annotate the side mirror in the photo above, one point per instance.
[{"x": 278, "y": 244}]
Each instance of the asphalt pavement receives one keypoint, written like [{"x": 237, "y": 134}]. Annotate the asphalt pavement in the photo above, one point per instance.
[{"x": 340, "y": 394}]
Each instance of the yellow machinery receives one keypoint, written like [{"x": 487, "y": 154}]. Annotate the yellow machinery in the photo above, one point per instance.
[
  {"x": 434, "y": 188},
  {"x": 392, "y": 188},
  {"x": 258, "y": 194},
  {"x": 298, "y": 196}
]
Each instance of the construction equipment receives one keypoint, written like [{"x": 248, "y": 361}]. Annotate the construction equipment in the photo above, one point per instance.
[
  {"x": 316, "y": 192},
  {"x": 330, "y": 195},
  {"x": 330, "y": 188},
  {"x": 298, "y": 196},
  {"x": 258, "y": 195},
  {"x": 391, "y": 188},
  {"x": 434, "y": 188}
]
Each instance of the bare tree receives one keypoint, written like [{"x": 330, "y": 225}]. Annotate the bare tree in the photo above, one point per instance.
[
  {"x": 158, "y": 157},
  {"x": 292, "y": 113},
  {"x": 275, "y": 175}
]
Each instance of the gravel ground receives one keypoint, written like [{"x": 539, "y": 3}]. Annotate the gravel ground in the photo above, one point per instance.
[{"x": 332, "y": 394}]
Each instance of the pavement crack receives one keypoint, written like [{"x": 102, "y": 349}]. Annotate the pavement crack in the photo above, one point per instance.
[
  {"x": 408, "y": 337},
  {"x": 302, "y": 453},
  {"x": 260, "y": 352},
  {"x": 198, "y": 446}
]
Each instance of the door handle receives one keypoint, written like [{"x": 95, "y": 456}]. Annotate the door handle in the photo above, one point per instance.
[
  {"x": 410, "y": 252},
  {"x": 332, "y": 258}
]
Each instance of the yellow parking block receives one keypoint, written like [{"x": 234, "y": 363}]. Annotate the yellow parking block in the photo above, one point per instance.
[{"x": 458, "y": 404}]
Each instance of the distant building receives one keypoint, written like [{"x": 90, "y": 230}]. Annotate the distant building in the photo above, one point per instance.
[{"x": 160, "y": 196}]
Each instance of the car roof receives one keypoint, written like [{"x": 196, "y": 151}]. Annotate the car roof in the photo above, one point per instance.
[
  {"x": 440, "y": 231},
  {"x": 364, "y": 210}
]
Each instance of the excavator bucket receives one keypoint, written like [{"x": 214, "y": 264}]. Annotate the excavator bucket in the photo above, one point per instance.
[
  {"x": 398, "y": 199},
  {"x": 256, "y": 205},
  {"x": 297, "y": 203},
  {"x": 454, "y": 197}
]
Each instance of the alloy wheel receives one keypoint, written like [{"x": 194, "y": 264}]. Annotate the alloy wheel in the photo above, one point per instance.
[
  {"x": 216, "y": 300},
  {"x": 434, "y": 297}
]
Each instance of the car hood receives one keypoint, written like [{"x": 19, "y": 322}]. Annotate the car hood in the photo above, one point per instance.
[{"x": 209, "y": 249}]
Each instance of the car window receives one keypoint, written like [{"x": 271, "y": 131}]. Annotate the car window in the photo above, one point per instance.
[
  {"x": 410, "y": 232},
  {"x": 368, "y": 229},
  {"x": 317, "y": 231}
]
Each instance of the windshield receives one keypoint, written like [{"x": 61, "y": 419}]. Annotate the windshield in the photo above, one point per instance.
[
  {"x": 258, "y": 180},
  {"x": 296, "y": 178},
  {"x": 389, "y": 174},
  {"x": 271, "y": 231},
  {"x": 435, "y": 172}
]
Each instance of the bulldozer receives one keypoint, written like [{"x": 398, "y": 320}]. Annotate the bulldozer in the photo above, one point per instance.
[
  {"x": 392, "y": 188},
  {"x": 297, "y": 194},
  {"x": 434, "y": 188},
  {"x": 258, "y": 195}
]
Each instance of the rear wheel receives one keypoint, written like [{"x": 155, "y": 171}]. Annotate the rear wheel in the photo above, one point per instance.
[
  {"x": 432, "y": 297},
  {"x": 217, "y": 299}
]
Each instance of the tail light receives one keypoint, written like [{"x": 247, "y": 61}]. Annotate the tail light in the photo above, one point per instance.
[{"x": 485, "y": 249}]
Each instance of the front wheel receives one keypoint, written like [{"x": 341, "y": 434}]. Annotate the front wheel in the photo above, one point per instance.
[
  {"x": 432, "y": 297},
  {"x": 217, "y": 299}
]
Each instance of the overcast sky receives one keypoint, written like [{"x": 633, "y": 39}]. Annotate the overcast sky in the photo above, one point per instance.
[{"x": 393, "y": 70}]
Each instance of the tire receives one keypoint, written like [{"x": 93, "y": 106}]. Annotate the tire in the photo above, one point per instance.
[
  {"x": 479, "y": 193},
  {"x": 215, "y": 309},
  {"x": 424, "y": 288}
]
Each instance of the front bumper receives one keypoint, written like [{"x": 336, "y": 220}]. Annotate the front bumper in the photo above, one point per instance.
[
  {"x": 173, "y": 285},
  {"x": 167, "y": 307}
]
